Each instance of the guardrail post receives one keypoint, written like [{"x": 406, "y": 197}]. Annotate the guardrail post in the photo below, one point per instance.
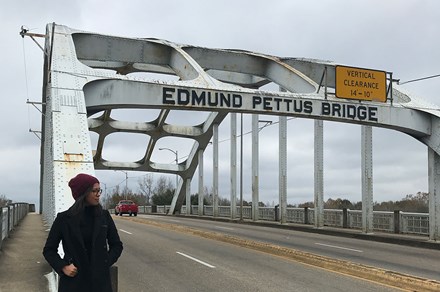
[
  {"x": 396, "y": 221},
  {"x": 1, "y": 227},
  {"x": 9, "y": 221},
  {"x": 114, "y": 278},
  {"x": 277, "y": 215},
  {"x": 306, "y": 215},
  {"x": 14, "y": 215},
  {"x": 344, "y": 218}
]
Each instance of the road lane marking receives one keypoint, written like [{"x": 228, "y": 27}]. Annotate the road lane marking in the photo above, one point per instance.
[
  {"x": 125, "y": 231},
  {"x": 196, "y": 260},
  {"x": 225, "y": 228},
  {"x": 340, "y": 247}
]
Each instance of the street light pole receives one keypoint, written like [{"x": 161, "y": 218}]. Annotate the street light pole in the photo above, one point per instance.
[
  {"x": 105, "y": 195},
  {"x": 126, "y": 181},
  {"x": 177, "y": 162}
]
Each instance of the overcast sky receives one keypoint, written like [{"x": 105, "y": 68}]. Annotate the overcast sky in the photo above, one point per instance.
[{"x": 396, "y": 36}]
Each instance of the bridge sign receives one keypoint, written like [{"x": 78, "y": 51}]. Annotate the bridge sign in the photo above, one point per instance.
[{"x": 362, "y": 84}]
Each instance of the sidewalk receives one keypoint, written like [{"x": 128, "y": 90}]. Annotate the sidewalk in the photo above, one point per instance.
[{"x": 22, "y": 265}]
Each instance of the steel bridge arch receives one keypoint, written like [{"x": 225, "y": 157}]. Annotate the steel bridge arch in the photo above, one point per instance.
[{"x": 86, "y": 77}]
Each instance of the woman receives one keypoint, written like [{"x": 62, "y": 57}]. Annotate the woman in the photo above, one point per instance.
[{"x": 90, "y": 240}]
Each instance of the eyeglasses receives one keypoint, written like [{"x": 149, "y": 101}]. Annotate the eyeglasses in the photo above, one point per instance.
[{"x": 96, "y": 191}]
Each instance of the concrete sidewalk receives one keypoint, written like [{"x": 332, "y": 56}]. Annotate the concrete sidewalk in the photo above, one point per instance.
[{"x": 22, "y": 265}]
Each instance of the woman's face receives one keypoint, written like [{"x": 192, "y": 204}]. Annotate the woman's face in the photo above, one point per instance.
[{"x": 93, "y": 196}]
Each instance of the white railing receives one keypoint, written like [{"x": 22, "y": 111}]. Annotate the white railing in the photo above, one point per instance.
[
  {"x": 10, "y": 216},
  {"x": 415, "y": 223},
  {"x": 333, "y": 218},
  {"x": 5, "y": 227},
  {"x": 383, "y": 221},
  {"x": 355, "y": 219},
  {"x": 397, "y": 222}
]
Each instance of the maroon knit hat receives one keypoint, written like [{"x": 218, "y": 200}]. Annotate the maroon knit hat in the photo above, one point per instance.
[{"x": 80, "y": 183}]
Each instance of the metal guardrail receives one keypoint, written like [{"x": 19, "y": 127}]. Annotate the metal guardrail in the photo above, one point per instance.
[
  {"x": 394, "y": 222},
  {"x": 10, "y": 216}
]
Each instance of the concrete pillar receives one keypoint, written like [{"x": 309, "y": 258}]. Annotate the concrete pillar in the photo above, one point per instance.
[
  {"x": 344, "y": 218},
  {"x": 396, "y": 221}
]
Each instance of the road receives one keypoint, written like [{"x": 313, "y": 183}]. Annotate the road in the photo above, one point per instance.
[
  {"x": 403, "y": 259},
  {"x": 159, "y": 259}
]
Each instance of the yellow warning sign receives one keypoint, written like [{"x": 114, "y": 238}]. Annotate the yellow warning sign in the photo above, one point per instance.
[{"x": 362, "y": 84}]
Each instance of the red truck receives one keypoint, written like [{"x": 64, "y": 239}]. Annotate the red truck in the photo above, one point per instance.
[{"x": 126, "y": 207}]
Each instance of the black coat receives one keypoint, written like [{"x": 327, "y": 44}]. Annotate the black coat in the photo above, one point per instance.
[{"x": 94, "y": 274}]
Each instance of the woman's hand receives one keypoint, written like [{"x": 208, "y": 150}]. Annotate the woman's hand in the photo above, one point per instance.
[{"x": 70, "y": 270}]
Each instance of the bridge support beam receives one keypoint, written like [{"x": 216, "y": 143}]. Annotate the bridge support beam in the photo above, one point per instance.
[
  {"x": 367, "y": 178},
  {"x": 66, "y": 143},
  {"x": 434, "y": 196},
  {"x": 319, "y": 174},
  {"x": 215, "y": 169},
  {"x": 233, "y": 165},
  {"x": 283, "y": 169},
  {"x": 200, "y": 207},
  {"x": 188, "y": 196},
  {"x": 255, "y": 165}
]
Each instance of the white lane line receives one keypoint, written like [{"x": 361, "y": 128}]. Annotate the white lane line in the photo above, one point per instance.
[
  {"x": 334, "y": 246},
  {"x": 196, "y": 260},
  {"x": 225, "y": 228},
  {"x": 125, "y": 231}
]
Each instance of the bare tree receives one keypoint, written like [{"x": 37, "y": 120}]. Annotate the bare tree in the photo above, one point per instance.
[
  {"x": 224, "y": 201},
  {"x": 4, "y": 201},
  {"x": 208, "y": 195},
  {"x": 163, "y": 191},
  {"x": 146, "y": 186}
]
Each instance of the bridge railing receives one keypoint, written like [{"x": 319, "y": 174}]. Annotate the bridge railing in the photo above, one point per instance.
[
  {"x": 415, "y": 223},
  {"x": 393, "y": 222},
  {"x": 10, "y": 216}
]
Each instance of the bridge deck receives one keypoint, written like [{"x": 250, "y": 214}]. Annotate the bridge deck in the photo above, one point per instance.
[{"x": 22, "y": 266}]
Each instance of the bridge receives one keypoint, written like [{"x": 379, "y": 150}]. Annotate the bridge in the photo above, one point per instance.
[{"x": 89, "y": 75}]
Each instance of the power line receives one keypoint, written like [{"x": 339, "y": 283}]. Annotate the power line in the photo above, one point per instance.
[
  {"x": 247, "y": 133},
  {"x": 418, "y": 79}
]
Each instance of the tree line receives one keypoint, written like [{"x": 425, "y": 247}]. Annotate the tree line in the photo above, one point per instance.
[
  {"x": 418, "y": 203},
  {"x": 160, "y": 192}
]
